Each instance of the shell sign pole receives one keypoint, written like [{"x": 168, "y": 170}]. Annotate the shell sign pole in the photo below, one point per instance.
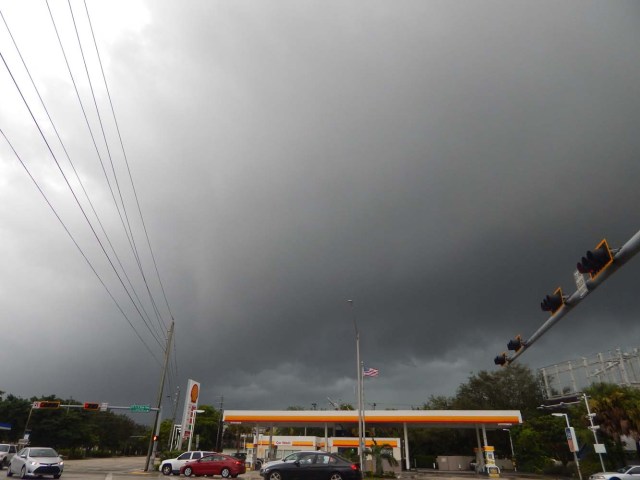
[{"x": 190, "y": 405}]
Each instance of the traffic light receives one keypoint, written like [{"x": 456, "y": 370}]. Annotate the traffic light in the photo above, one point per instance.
[
  {"x": 91, "y": 406},
  {"x": 596, "y": 260},
  {"x": 501, "y": 359},
  {"x": 515, "y": 344},
  {"x": 552, "y": 303},
  {"x": 49, "y": 404}
]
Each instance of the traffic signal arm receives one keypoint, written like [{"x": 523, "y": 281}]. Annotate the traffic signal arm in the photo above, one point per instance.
[{"x": 619, "y": 258}]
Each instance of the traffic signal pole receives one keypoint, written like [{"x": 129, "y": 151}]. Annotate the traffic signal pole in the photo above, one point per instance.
[{"x": 620, "y": 258}]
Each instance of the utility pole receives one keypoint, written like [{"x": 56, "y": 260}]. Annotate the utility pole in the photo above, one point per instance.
[
  {"x": 160, "y": 389},
  {"x": 220, "y": 432}
]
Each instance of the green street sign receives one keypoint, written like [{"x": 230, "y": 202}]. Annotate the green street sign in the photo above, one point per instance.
[{"x": 140, "y": 408}]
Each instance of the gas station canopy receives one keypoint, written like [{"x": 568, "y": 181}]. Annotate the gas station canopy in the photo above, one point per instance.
[{"x": 489, "y": 419}]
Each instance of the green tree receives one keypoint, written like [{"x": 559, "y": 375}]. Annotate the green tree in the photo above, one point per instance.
[
  {"x": 207, "y": 424},
  {"x": 511, "y": 388},
  {"x": 538, "y": 442},
  {"x": 15, "y": 411}
]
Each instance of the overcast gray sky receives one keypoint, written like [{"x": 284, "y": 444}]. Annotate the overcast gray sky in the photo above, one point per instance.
[{"x": 443, "y": 164}]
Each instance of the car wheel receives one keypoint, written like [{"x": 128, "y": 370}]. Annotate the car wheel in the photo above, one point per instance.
[
  {"x": 275, "y": 475},
  {"x": 23, "y": 472},
  {"x": 335, "y": 476},
  {"x": 188, "y": 471},
  {"x": 166, "y": 469},
  {"x": 234, "y": 476},
  {"x": 225, "y": 473}
]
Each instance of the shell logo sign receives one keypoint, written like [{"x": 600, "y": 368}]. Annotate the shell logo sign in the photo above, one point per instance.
[
  {"x": 190, "y": 405},
  {"x": 195, "y": 391}
]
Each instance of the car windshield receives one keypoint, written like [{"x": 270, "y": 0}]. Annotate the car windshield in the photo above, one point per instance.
[
  {"x": 43, "y": 452},
  {"x": 4, "y": 448}
]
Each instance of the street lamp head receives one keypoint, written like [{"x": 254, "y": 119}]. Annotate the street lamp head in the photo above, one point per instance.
[
  {"x": 559, "y": 414},
  {"x": 199, "y": 411}
]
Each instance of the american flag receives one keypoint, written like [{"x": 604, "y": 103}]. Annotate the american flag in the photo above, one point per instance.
[{"x": 370, "y": 372}]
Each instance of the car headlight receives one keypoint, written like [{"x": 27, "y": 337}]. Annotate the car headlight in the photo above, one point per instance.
[
  {"x": 61, "y": 463},
  {"x": 31, "y": 462}
]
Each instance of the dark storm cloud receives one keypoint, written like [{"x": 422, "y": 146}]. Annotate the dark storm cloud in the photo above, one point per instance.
[{"x": 442, "y": 164}]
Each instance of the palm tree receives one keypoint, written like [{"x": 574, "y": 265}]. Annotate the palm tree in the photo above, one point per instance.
[
  {"x": 380, "y": 453},
  {"x": 616, "y": 409}
]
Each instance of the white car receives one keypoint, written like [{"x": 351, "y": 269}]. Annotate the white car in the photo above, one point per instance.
[
  {"x": 36, "y": 461},
  {"x": 624, "y": 473},
  {"x": 7, "y": 451},
  {"x": 173, "y": 465}
]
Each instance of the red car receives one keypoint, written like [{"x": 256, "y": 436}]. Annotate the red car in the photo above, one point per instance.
[{"x": 216, "y": 464}]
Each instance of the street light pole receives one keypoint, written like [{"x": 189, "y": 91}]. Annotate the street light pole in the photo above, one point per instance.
[
  {"x": 359, "y": 390},
  {"x": 575, "y": 455},
  {"x": 513, "y": 455}
]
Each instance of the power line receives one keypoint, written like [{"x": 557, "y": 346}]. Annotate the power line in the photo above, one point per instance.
[
  {"x": 76, "y": 244},
  {"x": 135, "y": 193},
  {"x": 72, "y": 165},
  {"x": 128, "y": 228},
  {"x": 75, "y": 196}
]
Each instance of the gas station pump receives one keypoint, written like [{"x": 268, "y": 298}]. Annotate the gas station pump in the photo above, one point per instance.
[{"x": 490, "y": 467}]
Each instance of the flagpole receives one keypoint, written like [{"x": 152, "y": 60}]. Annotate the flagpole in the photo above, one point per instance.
[
  {"x": 364, "y": 430},
  {"x": 359, "y": 384}
]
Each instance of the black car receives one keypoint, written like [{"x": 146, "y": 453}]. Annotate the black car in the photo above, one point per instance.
[{"x": 313, "y": 466}]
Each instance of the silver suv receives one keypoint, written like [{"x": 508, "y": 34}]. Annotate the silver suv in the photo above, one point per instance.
[{"x": 7, "y": 451}]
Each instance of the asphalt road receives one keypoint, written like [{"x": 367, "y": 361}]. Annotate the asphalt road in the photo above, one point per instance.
[
  {"x": 123, "y": 468},
  {"x": 120, "y": 468},
  {"x": 108, "y": 468}
]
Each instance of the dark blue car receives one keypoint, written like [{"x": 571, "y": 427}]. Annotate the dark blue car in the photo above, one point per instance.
[{"x": 313, "y": 466}]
